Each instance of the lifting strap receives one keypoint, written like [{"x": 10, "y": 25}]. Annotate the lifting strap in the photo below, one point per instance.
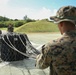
[{"x": 30, "y": 50}]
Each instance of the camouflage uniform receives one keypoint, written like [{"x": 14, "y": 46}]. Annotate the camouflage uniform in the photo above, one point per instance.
[{"x": 60, "y": 54}]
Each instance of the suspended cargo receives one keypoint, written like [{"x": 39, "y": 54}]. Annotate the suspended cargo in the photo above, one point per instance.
[{"x": 16, "y": 46}]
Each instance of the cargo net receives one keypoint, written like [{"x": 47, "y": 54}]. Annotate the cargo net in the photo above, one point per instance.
[{"x": 16, "y": 46}]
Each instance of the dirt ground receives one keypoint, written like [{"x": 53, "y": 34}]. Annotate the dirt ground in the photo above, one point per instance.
[{"x": 42, "y": 38}]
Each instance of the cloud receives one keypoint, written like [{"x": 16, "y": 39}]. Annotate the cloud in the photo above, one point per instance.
[
  {"x": 3, "y": 2},
  {"x": 19, "y": 13},
  {"x": 3, "y": 6},
  {"x": 44, "y": 13}
]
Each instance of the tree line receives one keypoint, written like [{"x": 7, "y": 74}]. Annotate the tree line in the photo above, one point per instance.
[{"x": 4, "y": 21}]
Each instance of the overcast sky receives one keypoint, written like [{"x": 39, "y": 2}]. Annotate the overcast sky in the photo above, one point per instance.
[{"x": 34, "y": 9}]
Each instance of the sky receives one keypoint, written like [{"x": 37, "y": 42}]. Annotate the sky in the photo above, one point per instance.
[{"x": 34, "y": 9}]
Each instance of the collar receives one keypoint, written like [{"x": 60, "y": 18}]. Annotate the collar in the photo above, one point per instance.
[{"x": 70, "y": 33}]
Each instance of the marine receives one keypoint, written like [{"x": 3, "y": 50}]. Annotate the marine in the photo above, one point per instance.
[{"x": 60, "y": 54}]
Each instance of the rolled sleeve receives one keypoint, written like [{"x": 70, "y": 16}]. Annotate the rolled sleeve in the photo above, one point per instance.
[{"x": 44, "y": 59}]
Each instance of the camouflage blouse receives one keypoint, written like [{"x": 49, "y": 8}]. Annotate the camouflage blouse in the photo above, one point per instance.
[{"x": 60, "y": 53}]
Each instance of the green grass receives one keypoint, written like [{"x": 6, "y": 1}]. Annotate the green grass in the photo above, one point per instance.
[
  {"x": 6, "y": 28},
  {"x": 38, "y": 26},
  {"x": 3, "y": 28}
]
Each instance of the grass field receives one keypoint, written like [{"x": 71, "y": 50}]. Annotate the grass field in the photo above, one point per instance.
[
  {"x": 3, "y": 28},
  {"x": 6, "y": 28},
  {"x": 38, "y": 26}
]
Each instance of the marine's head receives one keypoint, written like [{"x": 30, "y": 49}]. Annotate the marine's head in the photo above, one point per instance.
[
  {"x": 65, "y": 13},
  {"x": 65, "y": 18}
]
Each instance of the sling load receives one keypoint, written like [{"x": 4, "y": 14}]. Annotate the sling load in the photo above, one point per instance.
[{"x": 16, "y": 46}]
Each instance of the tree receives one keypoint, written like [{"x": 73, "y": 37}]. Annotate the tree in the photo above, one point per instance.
[
  {"x": 4, "y": 18},
  {"x": 28, "y": 19},
  {"x": 25, "y": 17}
]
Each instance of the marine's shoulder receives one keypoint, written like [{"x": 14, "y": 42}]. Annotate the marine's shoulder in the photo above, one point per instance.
[{"x": 59, "y": 42}]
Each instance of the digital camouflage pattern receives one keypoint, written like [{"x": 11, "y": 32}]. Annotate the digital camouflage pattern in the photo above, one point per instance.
[
  {"x": 61, "y": 53},
  {"x": 66, "y": 13}
]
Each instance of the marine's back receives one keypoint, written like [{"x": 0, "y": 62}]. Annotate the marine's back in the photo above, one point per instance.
[{"x": 64, "y": 54}]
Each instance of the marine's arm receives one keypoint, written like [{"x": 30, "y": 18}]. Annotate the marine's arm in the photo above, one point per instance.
[{"x": 44, "y": 59}]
